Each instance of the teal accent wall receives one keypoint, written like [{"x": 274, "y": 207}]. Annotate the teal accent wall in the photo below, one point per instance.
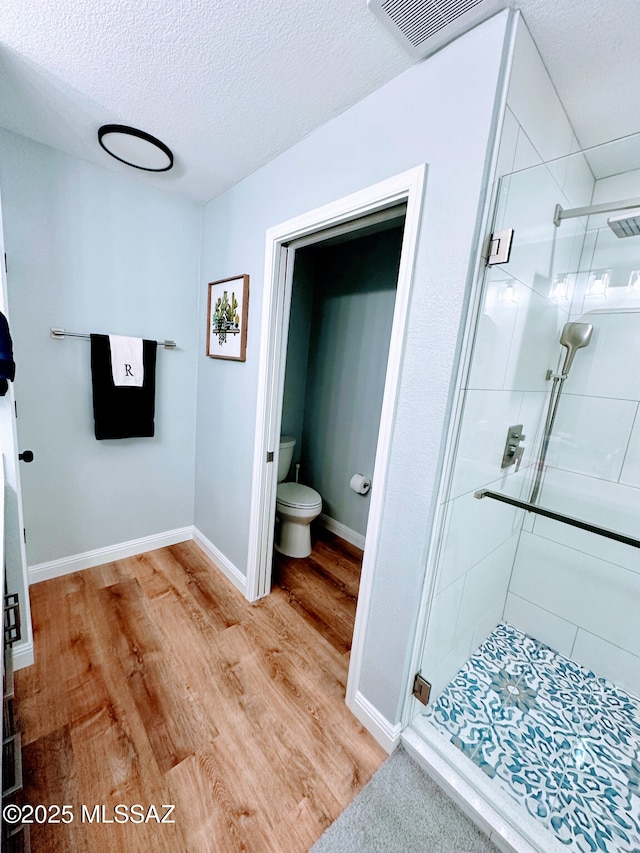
[
  {"x": 295, "y": 380},
  {"x": 341, "y": 338}
]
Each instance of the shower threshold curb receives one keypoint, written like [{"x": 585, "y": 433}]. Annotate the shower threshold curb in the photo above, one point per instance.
[{"x": 512, "y": 830}]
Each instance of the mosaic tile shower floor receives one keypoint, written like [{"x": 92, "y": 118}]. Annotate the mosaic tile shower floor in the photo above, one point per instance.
[{"x": 557, "y": 738}]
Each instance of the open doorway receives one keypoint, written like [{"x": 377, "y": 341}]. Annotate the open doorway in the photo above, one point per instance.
[
  {"x": 339, "y": 332},
  {"x": 282, "y": 241}
]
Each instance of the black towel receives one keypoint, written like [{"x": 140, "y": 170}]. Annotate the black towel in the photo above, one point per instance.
[
  {"x": 122, "y": 411},
  {"x": 7, "y": 364}
]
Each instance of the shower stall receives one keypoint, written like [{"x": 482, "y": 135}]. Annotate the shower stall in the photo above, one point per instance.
[{"x": 531, "y": 641}]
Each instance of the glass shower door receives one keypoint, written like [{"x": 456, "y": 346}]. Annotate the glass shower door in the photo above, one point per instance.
[{"x": 531, "y": 645}]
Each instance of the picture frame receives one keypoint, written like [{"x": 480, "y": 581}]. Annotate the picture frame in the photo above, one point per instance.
[{"x": 227, "y": 312}]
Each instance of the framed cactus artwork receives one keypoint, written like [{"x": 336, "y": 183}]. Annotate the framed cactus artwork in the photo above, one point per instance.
[{"x": 227, "y": 310}]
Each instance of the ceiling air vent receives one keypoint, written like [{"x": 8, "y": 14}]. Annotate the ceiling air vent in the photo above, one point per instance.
[{"x": 424, "y": 26}]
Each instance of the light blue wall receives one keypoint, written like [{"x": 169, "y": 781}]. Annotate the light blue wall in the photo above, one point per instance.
[
  {"x": 355, "y": 290},
  {"x": 440, "y": 112},
  {"x": 89, "y": 250}
]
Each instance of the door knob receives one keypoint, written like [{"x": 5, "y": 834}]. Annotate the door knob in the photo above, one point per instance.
[{"x": 27, "y": 456}]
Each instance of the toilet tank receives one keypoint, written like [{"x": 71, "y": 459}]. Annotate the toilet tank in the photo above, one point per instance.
[{"x": 287, "y": 443}]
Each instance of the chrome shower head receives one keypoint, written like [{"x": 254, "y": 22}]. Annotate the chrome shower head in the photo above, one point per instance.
[
  {"x": 574, "y": 336},
  {"x": 626, "y": 225}
]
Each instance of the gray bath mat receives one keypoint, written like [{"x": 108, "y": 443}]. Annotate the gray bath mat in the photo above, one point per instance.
[{"x": 402, "y": 810}]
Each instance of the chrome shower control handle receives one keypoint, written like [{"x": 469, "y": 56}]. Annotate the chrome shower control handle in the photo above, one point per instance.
[
  {"x": 517, "y": 456},
  {"x": 512, "y": 450}
]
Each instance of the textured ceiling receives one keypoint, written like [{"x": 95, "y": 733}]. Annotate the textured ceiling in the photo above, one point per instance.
[
  {"x": 590, "y": 48},
  {"x": 229, "y": 84}
]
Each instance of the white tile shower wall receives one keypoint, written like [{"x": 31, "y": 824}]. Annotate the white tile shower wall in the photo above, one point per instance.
[
  {"x": 526, "y": 155},
  {"x": 536, "y": 324},
  {"x": 445, "y": 649},
  {"x": 597, "y": 501},
  {"x": 541, "y": 624},
  {"x": 597, "y": 596},
  {"x": 488, "y": 414},
  {"x": 596, "y": 473},
  {"x": 508, "y": 143},
  {"x": 516, "y": 338},
  {"x": 623, "y": 668},
  {"x": 618, "y": 258},
  {"x": 472, "y": 534},
  {"x": 591, "y": 435},
  {"x": 570, "y": 581},
  {"x": 486, "y": 419},
  {"x": 595, "y": 476},
  {"x": 578, "y": 185},
  {"x": 485, "y": 592},
  {"x": 540, "y": 250},
  {"x": 625, "y": 185},
  {"x": 607, "y": 368},
  {"x": 604, "y": 250},
  {"x": 630, "y": 475},
  {"x": 517, "y": 341},
  {"x": 464, "y": 613},
  {"x": 535, "y": 103}
]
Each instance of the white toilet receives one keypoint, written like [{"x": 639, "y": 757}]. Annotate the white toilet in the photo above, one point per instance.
[{"x": 296, "y": 507}]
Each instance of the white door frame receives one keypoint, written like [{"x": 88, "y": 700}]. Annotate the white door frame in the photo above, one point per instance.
[{"x": 406, "y": 187}]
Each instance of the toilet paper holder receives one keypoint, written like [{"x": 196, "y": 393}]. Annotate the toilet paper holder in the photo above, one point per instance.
[{"x": 360, "y": 484}]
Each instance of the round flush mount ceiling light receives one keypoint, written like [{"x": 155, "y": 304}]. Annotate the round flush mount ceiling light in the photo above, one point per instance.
[{"x": 135, "y": 148}]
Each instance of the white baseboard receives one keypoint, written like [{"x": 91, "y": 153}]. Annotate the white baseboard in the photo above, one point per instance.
[
  {"x": 387, "y": 734},
  {"x": 342, "y": 531},
  {"x": 22, "y": 655},
  {"x": 223, "y": 563},
  {"x": 89, "y": 559}
]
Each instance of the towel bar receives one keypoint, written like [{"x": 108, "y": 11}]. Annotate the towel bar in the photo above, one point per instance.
[
  {"x": 558, "y": 516},
  {"x": 60, "y": 334}
]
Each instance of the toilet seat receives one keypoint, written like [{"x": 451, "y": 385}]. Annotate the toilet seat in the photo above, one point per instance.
[{"x": 296, "y": 495}]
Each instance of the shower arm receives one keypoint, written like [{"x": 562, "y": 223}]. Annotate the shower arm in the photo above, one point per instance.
[{"x": 607, "y": 207}]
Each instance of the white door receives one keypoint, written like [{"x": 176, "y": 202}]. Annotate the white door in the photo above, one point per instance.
[{"x": 15, "y": 561}]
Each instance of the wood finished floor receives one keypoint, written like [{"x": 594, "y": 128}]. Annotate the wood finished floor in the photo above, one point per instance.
[
  {"x": 323, "y": 588},
  {"x": 157, "y": 683}
]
